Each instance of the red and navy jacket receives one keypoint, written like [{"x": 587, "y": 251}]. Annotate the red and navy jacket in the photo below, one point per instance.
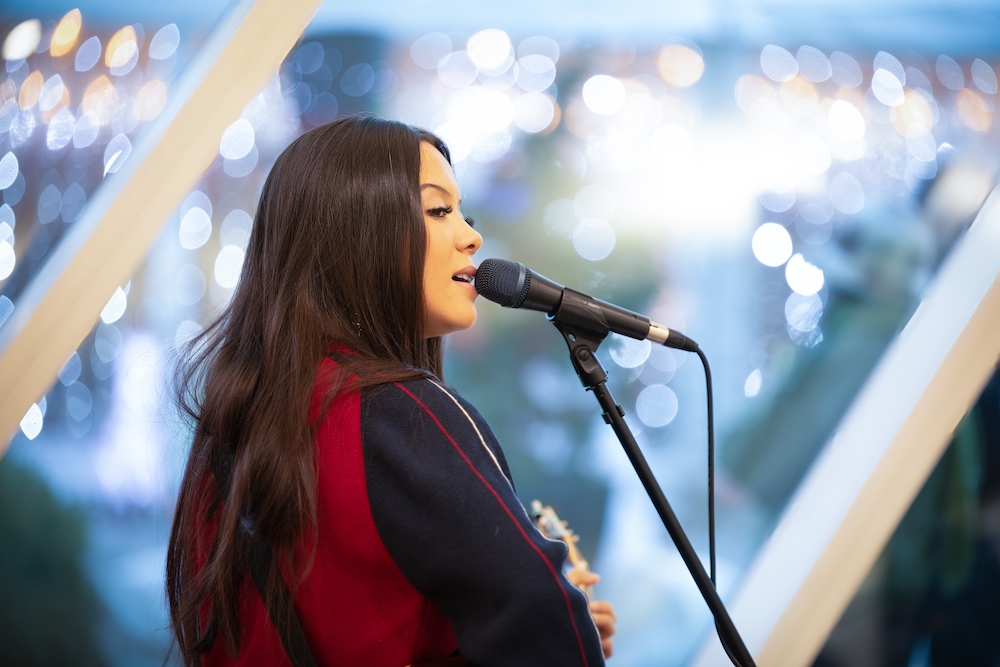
[{"x": 423, "y": 548}]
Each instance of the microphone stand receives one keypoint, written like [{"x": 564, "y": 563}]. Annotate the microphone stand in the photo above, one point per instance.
[{"x": 585, "y": 329}]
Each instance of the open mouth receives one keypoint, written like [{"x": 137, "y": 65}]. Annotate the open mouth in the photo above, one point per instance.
[{"x": 466, "y": 275}]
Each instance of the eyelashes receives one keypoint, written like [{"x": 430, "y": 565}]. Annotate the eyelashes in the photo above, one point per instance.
[{"x": 443, "y": 211}]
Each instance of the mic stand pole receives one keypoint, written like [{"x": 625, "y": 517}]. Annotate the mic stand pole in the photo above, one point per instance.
[{"x": 584, "y": 329}]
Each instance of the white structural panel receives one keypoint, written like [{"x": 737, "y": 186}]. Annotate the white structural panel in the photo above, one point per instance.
[
  {"x": 108, "y": 244},
  {"x": 882, "y": 452}
]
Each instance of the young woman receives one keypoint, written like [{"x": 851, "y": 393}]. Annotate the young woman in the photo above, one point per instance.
[{"x": 331, "y": 464}]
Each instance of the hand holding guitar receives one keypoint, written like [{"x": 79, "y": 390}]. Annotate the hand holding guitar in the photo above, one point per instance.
[{"x": 552, "y": 527}]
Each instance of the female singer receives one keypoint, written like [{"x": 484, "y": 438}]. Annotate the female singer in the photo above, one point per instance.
[{"x": 340, "y": 503}]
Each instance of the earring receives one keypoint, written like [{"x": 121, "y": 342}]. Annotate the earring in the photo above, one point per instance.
[{"x": 356, "y": 321}]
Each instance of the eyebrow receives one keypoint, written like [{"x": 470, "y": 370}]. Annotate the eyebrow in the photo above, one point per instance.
[{"x": 438, "y": 187}]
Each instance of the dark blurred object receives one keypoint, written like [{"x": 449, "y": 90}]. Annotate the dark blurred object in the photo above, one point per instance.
[
  {"x": 933, "y": 597},
  {"x": 49, "y": 611}
]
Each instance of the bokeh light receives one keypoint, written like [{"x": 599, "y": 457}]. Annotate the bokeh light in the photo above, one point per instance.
[
  {"x": 681, "y": 65},
  {"x": 803, "y": 277},
  {"x": 64, "y": 37},
  {"x": 772, "y": 246},
  {"x": 656, "y": 405},
  {"x": 603, "y": 94}
]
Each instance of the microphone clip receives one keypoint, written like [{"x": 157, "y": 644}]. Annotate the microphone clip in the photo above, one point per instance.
[{"x": 584, "y": 328}]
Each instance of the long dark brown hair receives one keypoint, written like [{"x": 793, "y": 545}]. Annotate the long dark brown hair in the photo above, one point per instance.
[{"x": 335, "y": 261}]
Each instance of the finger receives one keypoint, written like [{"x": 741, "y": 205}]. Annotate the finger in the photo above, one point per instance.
[
  {"x": 605, "y": 624},
  {"x": 601, "y": 607},
  {"x": 607, "y": 647}
]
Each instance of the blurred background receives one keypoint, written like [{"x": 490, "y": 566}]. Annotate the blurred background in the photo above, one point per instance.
[{"x": 778, "y": 180}]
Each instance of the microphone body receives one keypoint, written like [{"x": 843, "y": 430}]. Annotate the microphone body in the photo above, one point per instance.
[{"x": 513, "y": 285}]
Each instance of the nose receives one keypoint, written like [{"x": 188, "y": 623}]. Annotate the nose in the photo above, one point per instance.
[{"x": 471, "y": 241}]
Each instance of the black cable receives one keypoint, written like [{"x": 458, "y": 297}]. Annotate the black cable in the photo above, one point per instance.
[
  {"x": 711, "y": 466},
  {"x": 711, "y": 490}
]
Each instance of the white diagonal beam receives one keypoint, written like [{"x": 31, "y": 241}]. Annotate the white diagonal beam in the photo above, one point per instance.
[
  {"x": 107, "y": 245},
  {"x": 887, "y": 444}
]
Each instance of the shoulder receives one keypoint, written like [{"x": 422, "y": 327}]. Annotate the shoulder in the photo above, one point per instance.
[
  {"x": 432, "y": 417},
  {"x": 417, "y": 401}
]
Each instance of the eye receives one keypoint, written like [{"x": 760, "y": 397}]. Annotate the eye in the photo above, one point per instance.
[
  {"x": 439, "y": 211},
  {"x": 470, "y": 221}
]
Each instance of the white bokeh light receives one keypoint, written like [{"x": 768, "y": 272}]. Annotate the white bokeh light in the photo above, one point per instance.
[
  {"x": 7, "y": 259},
  {"x": 491, "y": 50},
  {"x": 656, "y": 405},
  {"x": 778, "y": 64},
  {"x": 228, "y": 265},
  {"x": 846, "y": 122},
  {"x": 196, "y": 228},
  {"x": 31, "y": 423},
  {"x": 593, "y": 239},
  {"x": 628, "y": 352},
  {"x": 457, "y": 70},
  {"x": 533, "y": 112},
  {"x": 803, "y": 311},
  {"x": 237, "y": 140},
  {"x": 752, "y": 385},
  {"x": 8, "y": 170},
  {"x": 803, "y": 277},
  {"x": 603, "y": 94},
  {"x": 772, "y": 244},
  {"x": 887, "y": 87},
  {"x": 846, "y": 193},
  {"x": 115, "y": 307}
]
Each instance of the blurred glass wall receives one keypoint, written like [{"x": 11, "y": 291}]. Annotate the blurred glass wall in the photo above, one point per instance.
[{"x": 783, "y": 204}]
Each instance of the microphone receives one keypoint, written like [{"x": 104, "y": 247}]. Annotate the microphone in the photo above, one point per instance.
[{"x": 513, "y": 285}]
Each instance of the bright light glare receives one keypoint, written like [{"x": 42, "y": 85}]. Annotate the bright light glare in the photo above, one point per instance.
[
  {"x": 228, "y": 265},
  {"x": 812, "y": 155},
  {"x": 603, "y": 94},
  {"x": 7, "y": 259},
  {"x": 846, "y": 122},
  {"x": 491, "y": 51},
  {"x": 31, "y": 423},
  {"x": 772, "y": 245},
  {"x": 115, "y": 307},
  {"x": 22, "y": 41},
  {"x": 804, "y": 278},
  {"x": 752, "y": 386}
]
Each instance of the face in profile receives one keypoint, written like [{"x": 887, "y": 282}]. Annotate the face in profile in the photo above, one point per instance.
[{"x": 449, "y": 296}]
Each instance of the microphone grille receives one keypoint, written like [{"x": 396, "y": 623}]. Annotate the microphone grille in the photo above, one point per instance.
[{"x": 501, "y": 281}]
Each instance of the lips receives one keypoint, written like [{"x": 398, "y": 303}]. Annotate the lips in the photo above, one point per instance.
[{"x": 467, "y": 276}]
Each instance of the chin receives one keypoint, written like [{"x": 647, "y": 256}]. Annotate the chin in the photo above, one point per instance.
[{"x": 454, "y": 324}]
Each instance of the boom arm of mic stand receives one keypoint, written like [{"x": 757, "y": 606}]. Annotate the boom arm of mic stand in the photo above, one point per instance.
[{"x": 584, "y": 329}]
